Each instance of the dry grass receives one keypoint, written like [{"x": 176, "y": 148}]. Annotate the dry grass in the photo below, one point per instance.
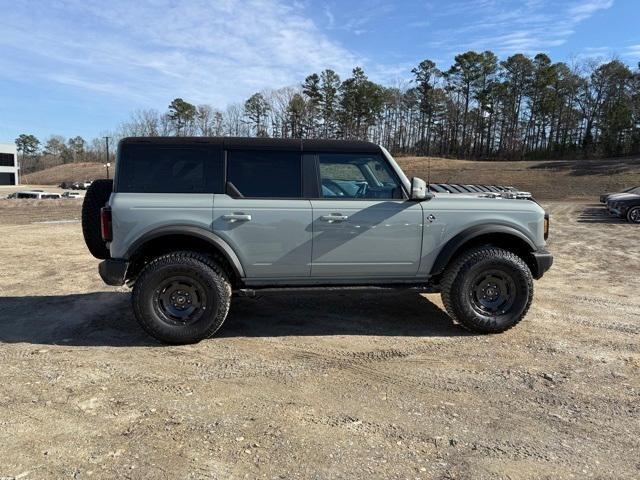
[
  {"x": 24, "y": 212},
  {"x": 70, "y": 172},
  {"x": 553, "y": 179}
]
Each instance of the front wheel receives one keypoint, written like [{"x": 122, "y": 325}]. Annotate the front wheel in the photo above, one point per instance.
[
  {"x": 181, "y": 297},
  {"x": 633, "y": 215},
  {"x": 487, "y": 289}
]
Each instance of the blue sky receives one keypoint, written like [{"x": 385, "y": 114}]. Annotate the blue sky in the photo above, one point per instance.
[{"x": 80, "y": 67}]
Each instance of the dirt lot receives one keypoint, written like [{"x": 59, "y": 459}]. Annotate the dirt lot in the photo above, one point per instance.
[{"x": 367, "y": 385}]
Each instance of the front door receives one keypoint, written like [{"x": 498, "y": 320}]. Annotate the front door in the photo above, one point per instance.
[
  {"x": 263, "y": 216},
  {"x": 362, "y": 225}
]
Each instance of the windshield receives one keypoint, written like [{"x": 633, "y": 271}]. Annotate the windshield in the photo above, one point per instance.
[{"x": 396, "y": 168}]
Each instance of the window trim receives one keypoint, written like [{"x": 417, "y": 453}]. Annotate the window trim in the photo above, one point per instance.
[{"x": 391, "y": 171}]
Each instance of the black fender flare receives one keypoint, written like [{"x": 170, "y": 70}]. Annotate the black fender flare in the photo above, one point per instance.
[
  {"x": 453, "y": 245},
  {"x": 190, "y": 231}
]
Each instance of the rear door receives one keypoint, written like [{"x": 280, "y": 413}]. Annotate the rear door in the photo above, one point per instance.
[
  {"x": 263, "y": 215},
  {"x": 363, "y": 225}
]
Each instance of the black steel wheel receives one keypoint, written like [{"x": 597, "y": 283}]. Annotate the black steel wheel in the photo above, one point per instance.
[
  {"x": 181, "y": 297},
  {"x": 181, "y": 300},
  {"x": 487, "y": 289},
  {"x": 493, "y": 292}
]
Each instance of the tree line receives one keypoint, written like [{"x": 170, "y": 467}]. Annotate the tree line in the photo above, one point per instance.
[{"x": 478, "y": 108}]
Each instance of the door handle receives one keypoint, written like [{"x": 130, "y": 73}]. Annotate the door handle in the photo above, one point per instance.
[
  {"x": 237, "y": 217},
  {"x": 334, "y": 217}
]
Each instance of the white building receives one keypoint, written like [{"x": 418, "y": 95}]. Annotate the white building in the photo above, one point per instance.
[{"x": 8, "y": 164}]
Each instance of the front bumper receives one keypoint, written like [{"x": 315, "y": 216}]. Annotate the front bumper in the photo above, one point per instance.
[
  {"x": 618, "y": 211},
  {"x": 543, "y": 260},
  {"x": 113, "y": 271}
]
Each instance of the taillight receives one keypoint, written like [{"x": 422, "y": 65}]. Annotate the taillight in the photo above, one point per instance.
[{"x": 105, "y": 224}]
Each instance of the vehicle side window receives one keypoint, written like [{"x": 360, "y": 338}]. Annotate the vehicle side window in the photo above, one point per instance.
[
  {"x": 170, "y": 169},
  {"x": 365, "y": 176},
  {"x": 265, "y": 174}
]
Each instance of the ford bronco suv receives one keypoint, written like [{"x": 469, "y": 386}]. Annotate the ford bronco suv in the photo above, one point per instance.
[{"x": 188, "y": 221}]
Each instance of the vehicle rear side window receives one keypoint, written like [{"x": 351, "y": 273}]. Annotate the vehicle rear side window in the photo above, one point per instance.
[
  {"x": 170, "y": 169},
  {"x": 265, "y": 174}
]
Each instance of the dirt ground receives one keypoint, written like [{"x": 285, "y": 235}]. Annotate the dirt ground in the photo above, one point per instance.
[{"x": 319, "y": 386}]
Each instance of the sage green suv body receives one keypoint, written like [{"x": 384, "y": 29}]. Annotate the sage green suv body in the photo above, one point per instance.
[{"x": 242, "y": 214}]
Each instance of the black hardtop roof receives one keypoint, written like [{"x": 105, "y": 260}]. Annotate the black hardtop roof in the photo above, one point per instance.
[{"x": 295, "y": 144}]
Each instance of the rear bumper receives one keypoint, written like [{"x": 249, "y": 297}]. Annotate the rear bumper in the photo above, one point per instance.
[
  {"x": 543, "y": 260},
  {"x": 113, "y": 271}
]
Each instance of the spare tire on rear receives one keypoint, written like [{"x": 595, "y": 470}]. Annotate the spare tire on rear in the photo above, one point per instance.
[{"x": 97, "y": 196}]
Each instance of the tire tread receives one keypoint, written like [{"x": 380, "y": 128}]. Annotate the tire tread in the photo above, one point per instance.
[
  {"x": 96, "y": 197},
  {"x": 453, "y": 275},
  {"x": 209, "y": 266}
]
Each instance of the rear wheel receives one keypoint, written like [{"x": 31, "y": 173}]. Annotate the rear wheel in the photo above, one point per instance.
[
  {"x": 633, "y": 215},
  {"x": 487, "y": 289},
  {"x": 181, "y": 297},
  {"x": 96, "y": 197}
]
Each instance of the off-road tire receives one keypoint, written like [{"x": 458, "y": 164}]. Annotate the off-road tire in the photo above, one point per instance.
[
  {"x": 96, "y": 197},
  {"x": 633, "y": 215},
  {"x": 194, "y": 267},
  {"x": 459, "y": 289}
]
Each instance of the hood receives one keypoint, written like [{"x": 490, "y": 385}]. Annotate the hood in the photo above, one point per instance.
[
  {"x": 631, "y": 198},
  {"x": 620, "y": 197}
]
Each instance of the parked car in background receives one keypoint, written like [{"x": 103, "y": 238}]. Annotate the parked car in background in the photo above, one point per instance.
[
  {"x": 36, "y": 195},
  {"x": 607, "y": 196},
  {"x": 71, "y": 195},
  {"x": 627, "y": 207}
]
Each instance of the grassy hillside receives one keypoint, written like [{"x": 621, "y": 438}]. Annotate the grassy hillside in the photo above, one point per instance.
[
  {"x": 556, "y": 179},
  {"x": 69, "y": 172}
]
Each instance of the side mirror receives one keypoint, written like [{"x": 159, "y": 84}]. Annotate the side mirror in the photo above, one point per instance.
[{"x": 419, "y": 189}]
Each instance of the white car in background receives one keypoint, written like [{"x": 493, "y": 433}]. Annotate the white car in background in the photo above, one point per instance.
[
  {"x": 72, "y": 195},
  {"x": 37, "y": 195}
]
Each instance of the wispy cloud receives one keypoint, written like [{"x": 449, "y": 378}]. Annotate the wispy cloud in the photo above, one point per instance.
[
  {"x": 358, "y": 19},
  {"x": 584, "y": 9},
  {"x": 633, "y": 51},
  {"x": 529, "y": 27},
  {"x": 628, "y": 53},
  {"x": 205, "y": 51}
]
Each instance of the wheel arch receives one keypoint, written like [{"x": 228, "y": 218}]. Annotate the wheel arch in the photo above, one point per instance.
[
  {"x": 502, "y": 236},
  {"x": 166, "y": 239}
]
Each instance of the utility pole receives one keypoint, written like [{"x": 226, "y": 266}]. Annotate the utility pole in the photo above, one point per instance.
[{"x": 107, "y": 164}]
